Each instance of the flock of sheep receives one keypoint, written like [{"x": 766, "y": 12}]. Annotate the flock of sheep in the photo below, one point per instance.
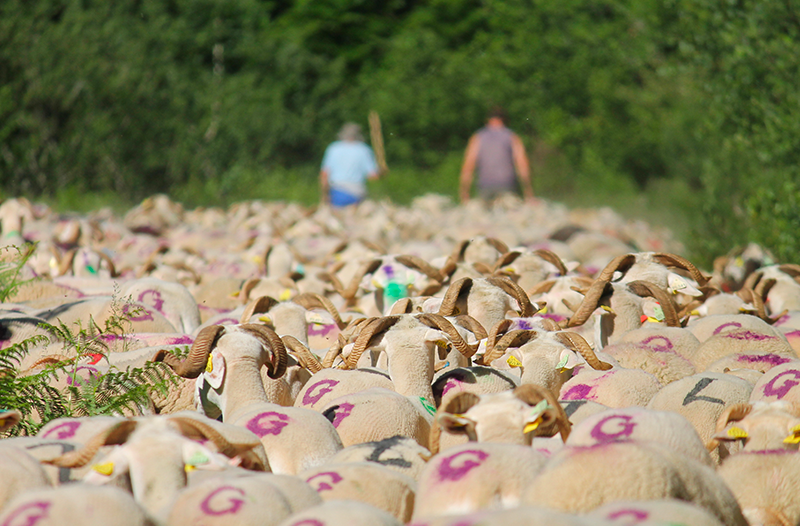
[{"x": 429, "y": 365}]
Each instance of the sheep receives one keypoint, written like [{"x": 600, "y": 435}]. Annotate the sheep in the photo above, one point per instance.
[
  {"x": 366, "y": 482},
  {"x": 543, "y": 358},
  {"x": 233, "y": 355},
  {"x": 512, "y": 417},
  {"x": 154, "y": 454},
  {"x": 784, "y": 293},
  {"x": 706, "y": 327},
  {"x": 398, "y": 452},
  {"x": 640, "y": 424},
  {"x": 75, "y": 505},
  {"x": 21, "y": 473},
  {"x": 666, "y": 366},
  {"x": 764, "y": 483},
  {"x": 486, "y": 299},
  {"x": 630, "y": 471},
  {"x": 173, "y": 300},
  {"x": 263, "y": 499},
  {"x": 614, "y": 388},
  {"x": 476, "y": 476},
  {"x": 668, "y": 511},
  {"x": 741, "y": 341},
  {"x": 477, "y": 379},
  {"x": 342, "y": 513},
  {"x": 779, "y": 383},
  {"x": 702, "y": 399},
  {"x": 761, "y": 426}
]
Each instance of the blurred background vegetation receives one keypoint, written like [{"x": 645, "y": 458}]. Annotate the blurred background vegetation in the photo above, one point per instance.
[{"x": 680, "y": 111}]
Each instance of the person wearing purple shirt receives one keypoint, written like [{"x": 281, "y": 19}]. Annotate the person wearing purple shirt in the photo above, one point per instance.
[
  {"x": 346, "y": 166},
  {"x": 499, "y": 155}
]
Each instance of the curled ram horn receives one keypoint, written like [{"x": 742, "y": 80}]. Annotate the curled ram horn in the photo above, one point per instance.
[
  {"x": 437, "y": 321},
  {"x": 674, "y": 260},
  {"x": 552, "y": 258},
  {"x": 114, "y": 435},
  {"x": 472, "y": 325},
  {"x": 577, "y": 343},
  {"x": 261, "y": 305},
  {"x": 349, "y": 293},
  {"x": 372, "y": 332},
  {"x": 554, "y": 419},
  {"x": 651, "y": 290},
  {"x": 195, "y": 363},
  {"x": 511, "y": 288},
  {"x": 417, "y": 263},
  {"x": 304, "y": 357},
  {"x": 310, "y": 300},
  {"x": 279, "y": 360},
  {"x": 456, "y": 291}
]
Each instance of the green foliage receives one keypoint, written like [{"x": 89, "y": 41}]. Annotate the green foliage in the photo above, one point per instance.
[
  {"x": 13, "y": 260},
  {"x": 114, "y": 392}
]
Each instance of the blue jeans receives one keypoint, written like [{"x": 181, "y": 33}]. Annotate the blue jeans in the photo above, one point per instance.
[{"x": 340, "y": 198}]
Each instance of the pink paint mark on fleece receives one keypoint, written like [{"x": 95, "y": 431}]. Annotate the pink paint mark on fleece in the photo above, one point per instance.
[
  {"x": 233, "y": 504},
  {"x": 316, "y": 391},
  {"x": 770, "y": 388},
  {"x": 623, "y": 428},
  {"x": 333, "y": 479},
  {"x": 29, "y": 514},
  {"x": 63, "y": 431},
  {"x": 455, "y": 468},
  {"x": 269, "y": 423}
]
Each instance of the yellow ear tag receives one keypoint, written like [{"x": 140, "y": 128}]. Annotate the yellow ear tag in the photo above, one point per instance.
[
  {"x": 209, "y": 365},
  {"x": 607, "y": 309},
  {"x": 510, "y": 269},
  {"x": 532, "y": 426},
  {"x": 694, "y": 313},
  {"x": 737, "y": 432},
  {"x": 266, "y": 319},
  {"x": 104, "y": 469},
  {"x": 285, "y": 295},
  {"x": 543, "y": 310},
  {"x": 795, "y": 429},
  {"x": 792, "y": 439},
  {"x": 652, "y": 320},
  {"x": 513, "y": 362},
  {"x": 188, "y": 467},
  {"x": 234, "y": 294}
]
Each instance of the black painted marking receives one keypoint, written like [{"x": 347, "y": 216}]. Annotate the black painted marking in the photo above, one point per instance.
[
  {"x": 702, "y": 384},
  {"x": 383, "y": 446},
  {"x": 330, "y": 413},
  {"x": 572, "y": 406}
]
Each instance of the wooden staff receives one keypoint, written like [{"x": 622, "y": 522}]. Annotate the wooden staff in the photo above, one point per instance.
[{"x": 376, "y": 137}]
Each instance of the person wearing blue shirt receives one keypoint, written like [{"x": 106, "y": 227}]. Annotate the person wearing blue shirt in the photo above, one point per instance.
[{"x": 346, "y": 166}]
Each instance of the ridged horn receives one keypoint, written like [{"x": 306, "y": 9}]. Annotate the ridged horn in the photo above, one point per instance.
[
  {"x": 278, "y": 361},
  {"x": 304, "y": 357},
  {"x": 497, "y": 244},
  {"x": 402, "y": 306},
  {"x": 195, "y": 363},
  {"x": 369, "y": 267},
  {"x": 674, "y": 260},
  {"x": 247, "y": 287},
  {"x": 455, "y": 291},
  {"x": 437, "y": 321},
  {"x": 550, "y": 325},
  {"x": 260, "y": 305},
  {"x": 506, "y": 259},
  {"x": 515, "y": 291},
  {"x": 552, "y": 258},
  {"x": 311, "y": 300},
  {"x": 577, "y": 343},
  {"x": 543, "y": 287},
  {"x": 515, "y": 338},
  {"x": 472, "y": 325},
  {"x": 556, "y": 421},
  {"x": 647, "y": 289},
  {"x": 193, "y": 428},
  {"x": 417, "y": 263},
  {"x": 372, "y": 331},
  {"x": 760, "y": 296},
  {"x": 589, "y": 303},
  {"x": 114, "y": 435}
]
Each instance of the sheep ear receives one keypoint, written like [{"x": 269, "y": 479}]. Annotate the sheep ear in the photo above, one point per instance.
[
  {"x": 107, "y": 469},
  {"x": 456, "y": 424},
  {"x": 215, "y": 370},
  {"x": 9, "y": 418},
  {"x": 439, "y": 339},
  {"x": 678, "y": 284},
  {"x": 195, "y": 456},
  {"x": 734, "y": 431}
]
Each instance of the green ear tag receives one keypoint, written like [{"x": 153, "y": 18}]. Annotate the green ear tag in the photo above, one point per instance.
[
  {"x": 563, "y": 362},
  {"x": 428, "y": 407},
  {"x": 91, "y": 269},
  {"x": 198, "y": 458},
  {"x": 394, "y": 291},
  {"x": 658, "y": 312},
  {"x": 541, "y": 407}
]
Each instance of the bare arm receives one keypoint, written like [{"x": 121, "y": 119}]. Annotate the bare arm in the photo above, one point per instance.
[
  {"x": 324, "y": 187},
  {"x": 467, "y": 169},
  {"x": 523, "y": 167}
]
